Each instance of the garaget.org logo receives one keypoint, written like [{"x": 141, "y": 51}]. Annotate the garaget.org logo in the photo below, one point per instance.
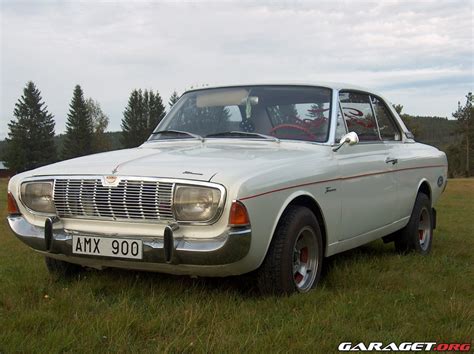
[{"x": 404, "y": 347}]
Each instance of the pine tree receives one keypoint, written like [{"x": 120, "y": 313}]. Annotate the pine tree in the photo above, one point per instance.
[
  {"x": 465, "y": 116},
  {"x": 173, "y": 99},
  {"x": 156, "y": 111},
  {"x": 408, "y": 120},
  {"x": 283, "y": 114},
  {"x": 100, "y": 122},
  {"x": 144, "y": 111},
  {"x": 30, "y": 139},
  {"x": 132, "y": 125},
  {"x": 79, "y": 129},
  {"x": 316, "y": 111}
]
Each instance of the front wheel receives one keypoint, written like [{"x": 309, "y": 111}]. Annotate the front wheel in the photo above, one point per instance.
[
  {"x": 294, "y": 259},
  {"x": 418, "y": 234}
]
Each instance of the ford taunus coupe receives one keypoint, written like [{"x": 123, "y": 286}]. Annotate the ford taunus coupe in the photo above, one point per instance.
[{"x": 268, "y": 179}]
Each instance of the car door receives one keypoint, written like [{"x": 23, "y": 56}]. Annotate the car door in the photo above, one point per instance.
[
  {"x": 398, "y": 159},
  {"x": 368, "y": 187}
]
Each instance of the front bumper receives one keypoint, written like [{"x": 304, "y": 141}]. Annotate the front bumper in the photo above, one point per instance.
[{"x": 55, "y": 241}]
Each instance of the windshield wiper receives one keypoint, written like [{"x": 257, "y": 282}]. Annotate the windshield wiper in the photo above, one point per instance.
[
  {"x": 240, "y": 133},
  {"x": 178, "y": 132}
]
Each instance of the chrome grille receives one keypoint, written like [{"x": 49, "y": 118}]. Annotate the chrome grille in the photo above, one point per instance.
[{"x": 130, "y": 199}]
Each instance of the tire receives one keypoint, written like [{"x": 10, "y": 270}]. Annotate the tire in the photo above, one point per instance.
[
  {"x": 295, "y": 247},
  {"x": 62, "y": 270},
  {"x": 417, "y": 236}
]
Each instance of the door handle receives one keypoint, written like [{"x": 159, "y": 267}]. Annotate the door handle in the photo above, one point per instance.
[{"x": 391, "y": 160}]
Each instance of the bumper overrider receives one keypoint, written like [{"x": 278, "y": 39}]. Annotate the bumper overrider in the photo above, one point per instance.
[{"x": 56, "y": 241}]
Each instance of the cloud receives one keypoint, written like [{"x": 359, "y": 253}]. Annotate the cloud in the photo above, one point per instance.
[{"x": 421, "y": 47}]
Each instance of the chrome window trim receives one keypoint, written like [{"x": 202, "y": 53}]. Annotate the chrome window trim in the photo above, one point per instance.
[
  {"x": 375, "y": 117},
  {"x": 338, "y": 109},
  {"x": 391, "y": 118},
  {"x": 387, "y": 106},
  {"x": 371, "y": 108},
  {"x": 174, "y": 181},
  {"x": 329, "y": 134}
]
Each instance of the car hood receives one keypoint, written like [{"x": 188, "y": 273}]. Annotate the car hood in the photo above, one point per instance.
[{"x": 187, "y": 160}]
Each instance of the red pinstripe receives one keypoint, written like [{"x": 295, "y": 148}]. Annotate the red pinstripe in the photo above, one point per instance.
[{"x": 339, "y": 179}]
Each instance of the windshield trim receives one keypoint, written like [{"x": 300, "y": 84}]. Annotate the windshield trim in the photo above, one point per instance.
[
  {"x": 330, "y": 111},
  {"x": 234, "y": 140}
]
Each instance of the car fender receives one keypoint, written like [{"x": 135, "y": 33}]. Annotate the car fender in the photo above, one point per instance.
[{"x": 289, "y": 199}]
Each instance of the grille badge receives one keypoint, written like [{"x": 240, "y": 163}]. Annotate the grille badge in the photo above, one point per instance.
[{"x": 110, "y": 181}]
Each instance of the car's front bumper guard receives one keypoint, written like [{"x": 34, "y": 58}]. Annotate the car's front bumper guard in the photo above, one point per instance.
[{"x": 229, "y": 247}]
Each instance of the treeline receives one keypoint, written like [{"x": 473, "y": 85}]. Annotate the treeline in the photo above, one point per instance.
[
  {"x": 460, "y": 152},
  {"x": 32, "y": 143},
  {"x": 454, "y": 137},
  {"x": 31, "y": 140}
]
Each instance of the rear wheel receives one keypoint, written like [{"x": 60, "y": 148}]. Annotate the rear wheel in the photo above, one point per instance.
[
  {"x": 61, "y": 269},
  {"x": 294, "y": 259},
  {"x": 418, "y": 234}
]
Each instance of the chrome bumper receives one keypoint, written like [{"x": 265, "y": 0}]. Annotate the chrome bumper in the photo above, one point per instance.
[{"x": 229, "y": 247}]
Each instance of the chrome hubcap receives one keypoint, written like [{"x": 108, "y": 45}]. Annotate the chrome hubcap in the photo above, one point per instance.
[
  {"x": 424, "y": 229},
  {"x": 305, "y": 259}
]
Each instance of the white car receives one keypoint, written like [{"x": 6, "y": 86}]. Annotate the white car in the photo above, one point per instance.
[{"x": 266, "y": 178}]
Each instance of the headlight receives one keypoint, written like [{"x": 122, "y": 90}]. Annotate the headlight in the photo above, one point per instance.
[
  {"x": 198, "y": 204},
  {"x": 38, "y": 196}
]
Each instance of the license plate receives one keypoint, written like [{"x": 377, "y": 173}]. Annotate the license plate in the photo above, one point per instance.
[{"x": 107, "y": 247}]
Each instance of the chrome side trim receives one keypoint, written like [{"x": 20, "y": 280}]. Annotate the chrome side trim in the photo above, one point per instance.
[{"x": 228, "y": 247}]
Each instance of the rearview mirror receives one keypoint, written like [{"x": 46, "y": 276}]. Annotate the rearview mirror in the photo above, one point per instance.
[{"x": 350, "y": 138}]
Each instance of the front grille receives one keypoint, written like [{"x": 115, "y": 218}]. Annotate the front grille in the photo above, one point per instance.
[{"x": 130, "y": 199}]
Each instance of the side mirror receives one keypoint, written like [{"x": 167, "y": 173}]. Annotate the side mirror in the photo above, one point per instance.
[{"x": 350, "y": 138}]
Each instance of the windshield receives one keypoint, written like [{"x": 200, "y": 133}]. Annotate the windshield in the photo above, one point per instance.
[{"x": 250, "y": 112}]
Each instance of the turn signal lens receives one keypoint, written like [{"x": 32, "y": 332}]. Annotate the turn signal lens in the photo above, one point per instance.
[
  {"x": 238, "y": 215},
  {"x": 11, "y": 205}
]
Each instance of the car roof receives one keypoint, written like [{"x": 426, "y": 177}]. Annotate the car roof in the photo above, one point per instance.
[
  {"x": 327, "y": 84},
  {"x": 331, "y": 85}
]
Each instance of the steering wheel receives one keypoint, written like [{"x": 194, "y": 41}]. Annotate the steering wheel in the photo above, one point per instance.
[
  {"x": 314, "y": 123},
  {"x": 295, "y": 127},
  {"x": 294, "y": 120}
]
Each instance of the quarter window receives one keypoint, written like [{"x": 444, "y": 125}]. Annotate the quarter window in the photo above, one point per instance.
[
  {"x": 387, "y": 127},
  {"x": 340, "y": 126},
  {"x": 359, "y": 116}
]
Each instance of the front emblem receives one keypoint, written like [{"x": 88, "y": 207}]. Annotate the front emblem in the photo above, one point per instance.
[
  {"x": 440, "y": 181},
  {"x": 110, "y": 181}
]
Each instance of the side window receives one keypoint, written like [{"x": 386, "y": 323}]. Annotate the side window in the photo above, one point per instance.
[
  {"x": 359, "y": 116},
  {"x": 387, "y": 127},
  {"x": 340, "y": 125}
]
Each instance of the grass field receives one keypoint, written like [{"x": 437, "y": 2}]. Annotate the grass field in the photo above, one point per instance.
[{"x": 368, "y": 294}]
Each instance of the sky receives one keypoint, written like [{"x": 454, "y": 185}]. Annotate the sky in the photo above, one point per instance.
[{"x": 416, "y": 53}]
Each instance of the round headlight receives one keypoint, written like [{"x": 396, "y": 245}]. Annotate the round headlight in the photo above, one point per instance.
[
  {"x": 198, "y": 204},
  {"x": 38, "y": 196}
]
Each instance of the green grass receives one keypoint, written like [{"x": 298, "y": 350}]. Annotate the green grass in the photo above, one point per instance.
[{"x": 368, "y": 294}]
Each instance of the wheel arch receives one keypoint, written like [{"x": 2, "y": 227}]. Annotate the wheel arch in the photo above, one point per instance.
[
  {"x": 304, "y": 199},
  {"x": 425, "y": 188}
]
